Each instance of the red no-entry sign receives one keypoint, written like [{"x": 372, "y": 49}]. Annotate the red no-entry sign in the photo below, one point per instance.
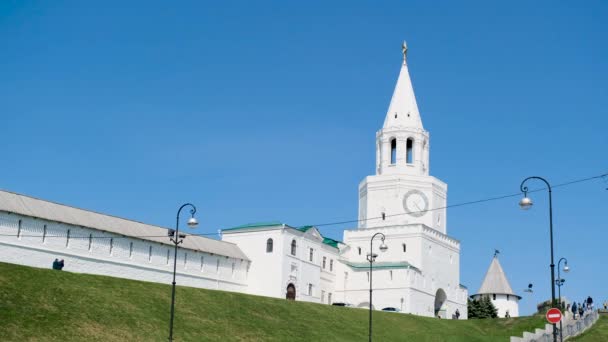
[{"x": 554, "y": 315}]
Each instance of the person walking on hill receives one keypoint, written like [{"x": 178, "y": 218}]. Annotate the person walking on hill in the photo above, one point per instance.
[
  {"x": 581, "y": 310},
  {"x": 574, "y": 310},
  {"x": 61, "y": 264},
  {"x": 56, "y": 264},
  {"x": 457, "y": 314},
  {"x": 606, "y": 305},
  {"x": 589, "y": 303}
]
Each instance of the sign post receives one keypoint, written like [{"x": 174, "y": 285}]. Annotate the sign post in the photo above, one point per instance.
[{"x": 554, "y": 315}]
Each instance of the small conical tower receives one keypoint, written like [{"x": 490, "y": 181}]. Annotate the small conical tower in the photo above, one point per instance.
[{"x": 496, "y": 286}]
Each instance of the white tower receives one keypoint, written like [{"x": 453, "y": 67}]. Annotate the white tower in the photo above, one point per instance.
[
  {"x": 496, "y": 286},
  {"x": 402, "y": 192},
  {"x": 419, "y": 273}
]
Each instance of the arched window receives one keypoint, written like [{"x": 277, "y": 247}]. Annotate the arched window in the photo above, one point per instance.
[
  {"x": 269, "y": 246},
  {"x": 409, "y": 147},
  {"x": 393, "y": 151},
  {"x": 404, "y": 247},
  {"x": 293, "y": 247},
  {"x": 359, "y": 249}
]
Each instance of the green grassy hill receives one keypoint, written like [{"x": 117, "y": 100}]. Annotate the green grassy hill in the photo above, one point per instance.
[
  {"x": 47, "y": 305},
  {"x": 597, "y": 333}
]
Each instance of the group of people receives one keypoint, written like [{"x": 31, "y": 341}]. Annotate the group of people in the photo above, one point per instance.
[
  {"x": 580, "y": 309},
  {"x": 456, "y": 314},
  {"x": 58, "y": 264}
]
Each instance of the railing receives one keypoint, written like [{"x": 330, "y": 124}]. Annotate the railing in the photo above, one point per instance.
[{"x": 570, "y": 326}]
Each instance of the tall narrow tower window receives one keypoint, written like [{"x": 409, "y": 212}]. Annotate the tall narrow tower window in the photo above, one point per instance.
[
  {"x": 393, "y": 151},
  {"x": 409, "y": 147},
  {"x": 293, "y": 247}
]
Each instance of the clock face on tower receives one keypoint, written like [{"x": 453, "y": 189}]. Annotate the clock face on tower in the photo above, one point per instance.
[{"x": 415, "y": 203}]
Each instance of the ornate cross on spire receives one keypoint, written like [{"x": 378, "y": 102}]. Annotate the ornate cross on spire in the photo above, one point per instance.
[{"x": 404, "y": 50}]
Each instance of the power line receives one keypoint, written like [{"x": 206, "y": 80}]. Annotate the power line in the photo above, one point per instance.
[
  {"x": 495, "y": 198},
  {"x": 489, "y": 199}
]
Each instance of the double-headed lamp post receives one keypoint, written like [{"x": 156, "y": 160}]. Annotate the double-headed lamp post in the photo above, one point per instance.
[
  {"x": 371, "y": 257},
  {"x": 559, "y": 282},
  {"x": 178, "y": 238},
  {"x": 526, "y": 203}
]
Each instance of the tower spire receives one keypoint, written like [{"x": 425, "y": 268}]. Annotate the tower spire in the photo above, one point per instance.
[{"x": 403, "y": 109}]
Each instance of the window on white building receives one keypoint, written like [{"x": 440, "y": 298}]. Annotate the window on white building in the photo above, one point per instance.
[
  {"x": 331, "y": 265},
  {"x": 507, "y": 297},
  {"x": 404, "y": 247},
  {"x": 409, "y": 147},
  {"x": 310, "y": 289},
  {"x": 383, "y": 216},
  {"x": 269, "y": 246},
  {"x": 19, "y": 230},
  {"x": 44, "y": 234},
  {"x": 494, "y": 296},
  {"x": 67, "y": 239},
  {"x": 359, "y": 249},
  {"x": 90, "y": 242},
  {"x": 217, "y": 266},
  {"x": 149, "y": 253},
  {"x": 168, "y": 255},
  {"x": 329, "y": 298},
  {"x": 324, "y": 260},
  {"x": 185, "y": 260},
  {"x": 111, "y": 245},
  {"x": 391, "y": 274},
  {"x": 367, "y": 276},
  {"x": 293, "y": 247},
  {"x": 202, "y": 263},
  {"x": 393, "y": 151},
  {"x": 322, "y": 296},
  {"x": 130, "y": 249},
  {"x": 311, "y": 254},
  {"x": 232, "y": 270}
]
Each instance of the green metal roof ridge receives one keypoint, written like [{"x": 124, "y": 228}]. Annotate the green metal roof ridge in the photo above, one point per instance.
[
  {"x": 256, "y": 225},
  {"x": 328, "y": 241},
  {"x": 379, "y": 265},
  {"x": 331, "y": 242}
]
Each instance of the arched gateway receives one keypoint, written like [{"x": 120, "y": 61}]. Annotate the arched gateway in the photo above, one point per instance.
[
  {"x": 291, "y": 292},
  {"x": 440, "y": 298}
]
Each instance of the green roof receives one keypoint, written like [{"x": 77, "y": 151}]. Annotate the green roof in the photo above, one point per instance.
[
  {"x": 256, "y": 225},
  {"x": 304, "y": 229},
  {"x": 331, "y": 242},
  {"x": 380, "y": 265}
]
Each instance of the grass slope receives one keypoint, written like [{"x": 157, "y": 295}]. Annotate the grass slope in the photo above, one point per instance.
[
  {"x": 598, "y": 332},
  {"x": 47, "y": 305}
]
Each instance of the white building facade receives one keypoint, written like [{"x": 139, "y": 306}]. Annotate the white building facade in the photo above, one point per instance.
[
  {"x": 288, "y": 262},
  {"x": 418, "y": 274},
  {"x": 35, "y": 232},
  {"x": 496, "y": 286},
  {"x": 420, "y": 271}
]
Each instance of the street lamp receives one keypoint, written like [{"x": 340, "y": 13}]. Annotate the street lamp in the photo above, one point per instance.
[
  {"x": 371, "y": 257},
  {"x": 178, "y": 238},
  {"x": 560, "y": 282},
  {"x": 526, "y": 203}
]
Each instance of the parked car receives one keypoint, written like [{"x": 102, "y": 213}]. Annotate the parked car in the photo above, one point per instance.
[
  {"x": 341, "y": 304},
  {"x": 391, "y": 309}
]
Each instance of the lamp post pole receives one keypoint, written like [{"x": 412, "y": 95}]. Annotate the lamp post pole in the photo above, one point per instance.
[
  {"x": 559, "y": 283},
  {"x": 371, "y": 258},
  {"x": 176, "y": 238},
  {"x": 526, "y": 203}
]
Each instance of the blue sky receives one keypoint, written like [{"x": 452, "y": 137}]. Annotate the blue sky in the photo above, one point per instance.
[{"x": 268, "y": 111}]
